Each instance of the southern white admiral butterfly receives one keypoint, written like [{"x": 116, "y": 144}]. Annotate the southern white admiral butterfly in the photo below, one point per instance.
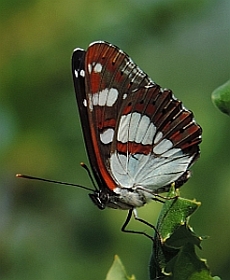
[{"x": 139, "y": 137}]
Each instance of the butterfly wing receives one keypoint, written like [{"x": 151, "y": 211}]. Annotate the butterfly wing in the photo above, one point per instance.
[
  {"x": 136, "y": 133},
  {"x": 156, "y": 140},
  {"x": 103, "y": 77}
]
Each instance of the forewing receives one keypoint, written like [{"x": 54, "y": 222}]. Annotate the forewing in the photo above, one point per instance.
[{"x": 110, "y": 77}]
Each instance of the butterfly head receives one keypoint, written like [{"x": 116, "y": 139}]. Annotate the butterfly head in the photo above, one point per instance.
[{"x": 99, "y": 198}]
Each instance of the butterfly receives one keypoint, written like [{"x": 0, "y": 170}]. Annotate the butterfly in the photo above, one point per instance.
[{"x": 139, "y": 138}]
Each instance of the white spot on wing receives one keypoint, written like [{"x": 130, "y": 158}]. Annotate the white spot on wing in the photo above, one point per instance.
[
  {"x": 112, "y": 97},
  {"x": 158, "y": 137},
  {"x": 106, "y": 136},
  {"x": 122, "y": 134},
  {"x": 136, "y": 127},
  {"x": 103, "y": 95},
  {"x": 97, "y": 68},
  {"x": 147, "y": 132},
  {"x": 124, "y": 95},
  {"x": 133, "y": 126},
  {"x": 106, "y": 97},
  {"x": 82, "y": 73},
  {"x": 163, "y": 146},
  {"x": 90, "y": 102},
  {"x": 89, "y": 68},
  {"x": 95, "y": 99},
  {"x": 85, "y": 102},
  {"x": 150, "y": 85},
  {"x": 142, "y": 128}
]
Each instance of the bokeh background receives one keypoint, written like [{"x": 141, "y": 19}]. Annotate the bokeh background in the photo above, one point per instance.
[{"x": 55, "y": 232}]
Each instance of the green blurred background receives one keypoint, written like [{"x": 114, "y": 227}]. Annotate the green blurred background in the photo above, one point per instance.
[{"x": 55, "y": 232}]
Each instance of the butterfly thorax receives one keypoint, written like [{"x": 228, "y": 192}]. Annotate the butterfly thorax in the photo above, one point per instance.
[{"x": 121, "y": 198}]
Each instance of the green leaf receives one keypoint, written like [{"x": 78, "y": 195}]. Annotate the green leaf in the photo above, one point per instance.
[
  {"x": 117, "y": 271},
  {"x": 187, "y": 265},
  {"x": 182, "y": 236},
  {"x": 174, "y": 255},
  {"x": 221, "y": 98},
  {"x": 174, "y": 213}
]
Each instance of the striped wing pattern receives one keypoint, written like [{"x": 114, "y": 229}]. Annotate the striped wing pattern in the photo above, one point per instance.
[{"x": 138, "y": 136}]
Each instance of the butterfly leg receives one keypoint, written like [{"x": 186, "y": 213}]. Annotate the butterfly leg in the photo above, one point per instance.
[
  {"x": 160, "y": 198},
  {"x": 134, "y": 212}
]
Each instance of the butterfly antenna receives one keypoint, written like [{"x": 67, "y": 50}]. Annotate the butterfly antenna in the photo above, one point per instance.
[
  {"x": 90, "y": 175},
  {"x": 52, "y": 181}
]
